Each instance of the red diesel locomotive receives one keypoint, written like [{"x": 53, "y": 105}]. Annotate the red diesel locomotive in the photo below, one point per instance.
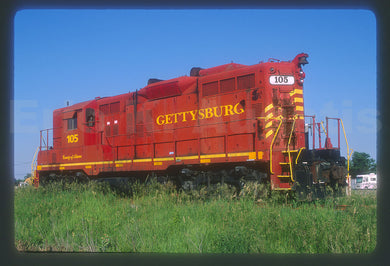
[{"x": 228, "y": 123}]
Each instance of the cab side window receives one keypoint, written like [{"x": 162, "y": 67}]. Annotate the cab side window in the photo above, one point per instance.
[
  {"x": 90, "y": 117},
  {"x": 72, "y": 122}
]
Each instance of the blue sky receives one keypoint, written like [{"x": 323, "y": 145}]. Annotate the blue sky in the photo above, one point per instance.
[{"x": 76, "y": 55}]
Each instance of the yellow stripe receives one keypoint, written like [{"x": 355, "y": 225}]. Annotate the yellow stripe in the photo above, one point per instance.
[
  {"x": 213, "y": 156},
  {"x": 269, "y": 107},
  {"x": 157, "y": 163},
  {"x": 238, "y": 154},
  {"x": 298, "y": 100},
  {"x": 296, "y": 91},
  {"x": 74, "y": 164},
  {"x": 270, "y": 115},
  {"x": 269, "y": 133},
  {"x": 48, "y": 165},
  {"x": 252, "y": 156},
  {"x": 268, "y": 124},
  {"x": 163, "y": 159},
  {"x": 204, "y": 160},
  {"x": 119, "y": 163},
  {"x": 299, "y": 108},
  {"x": 142, "y": 160},
  {"x": 108, "y": 162},
  {"x": 260, "y": 155},
  {"x": 187, "y": 157},
  {"x": 123, "y": 161}
]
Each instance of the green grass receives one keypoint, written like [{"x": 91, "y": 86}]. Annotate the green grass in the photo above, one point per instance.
[{"x": 156, "y": 218}]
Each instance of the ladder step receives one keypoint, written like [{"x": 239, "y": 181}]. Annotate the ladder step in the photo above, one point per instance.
[
  {"x": 283, "y": 176},
  {"x": 284, "y": 163}
]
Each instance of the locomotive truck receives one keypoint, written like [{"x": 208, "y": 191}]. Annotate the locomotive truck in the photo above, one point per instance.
[{"x": 230, "y": 124}]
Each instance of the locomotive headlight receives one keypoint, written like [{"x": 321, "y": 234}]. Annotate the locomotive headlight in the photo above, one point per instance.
[{"x": 301, "y": 81}]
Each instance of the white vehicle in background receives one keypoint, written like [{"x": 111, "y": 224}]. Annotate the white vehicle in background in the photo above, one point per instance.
[{"x": 364, "y": 182}]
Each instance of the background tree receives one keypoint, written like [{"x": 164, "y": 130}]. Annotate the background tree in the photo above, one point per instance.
[
  {"x": 18, "y": 181},
  {"x": 362, "y": 164}
]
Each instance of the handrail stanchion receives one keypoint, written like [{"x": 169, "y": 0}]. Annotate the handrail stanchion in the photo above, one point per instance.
[
  {"x": 319, "y": 135},
  {"x": 288, "y": 150},
  {"x": 314, "y": 128},
  {"x": 34, "y": 164},
  {"x": 273, "y": 140},
  {"x": 338, "y": 133},
  {"x": 349, "y": 153}
]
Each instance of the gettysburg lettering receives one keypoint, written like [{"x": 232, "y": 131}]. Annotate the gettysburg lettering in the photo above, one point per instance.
[{"x": 206, "y": 113}]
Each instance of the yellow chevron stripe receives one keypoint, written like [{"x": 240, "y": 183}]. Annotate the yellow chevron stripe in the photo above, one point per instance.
[
  {"x": 296, "y": 91},
  {"x": 298, "y": 100},
  {"x": 269, "y": 133},
  {"x": 299, "y": 108},
  {"x": 270, "y": 115},
  {"x": 268, "y": 124},
  {"x": 269, "y": 107}
]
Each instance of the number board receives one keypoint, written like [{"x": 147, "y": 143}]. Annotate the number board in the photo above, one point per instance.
[{"x": 281, "y": 80}]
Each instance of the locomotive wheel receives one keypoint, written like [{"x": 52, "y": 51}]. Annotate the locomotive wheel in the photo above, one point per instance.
[{"x": 68, "y": 177}]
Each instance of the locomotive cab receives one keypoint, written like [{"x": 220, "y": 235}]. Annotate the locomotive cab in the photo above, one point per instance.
[{"x": 72, "y": 138}]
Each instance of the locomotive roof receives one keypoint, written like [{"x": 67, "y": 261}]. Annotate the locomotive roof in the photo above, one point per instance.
[
  {"x": 168, "y": 88},
  {"x": 177, "y": 86},
  {"x": 221, "y": 68},
  {"x": 74, "y": 107}
]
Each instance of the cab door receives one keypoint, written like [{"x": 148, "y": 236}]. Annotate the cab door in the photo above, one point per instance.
[{"x": 72, "y": 137}]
